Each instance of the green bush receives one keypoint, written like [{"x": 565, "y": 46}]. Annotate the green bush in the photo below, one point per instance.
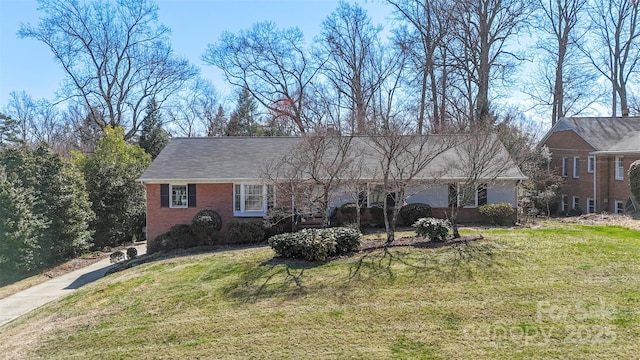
[
  {"x": 316, "y": 244},
  {"x": 500, "y": 214},
  {"x": 347, "y": 239},
  {"x": 410, "y": 213},
  {"x": 376, "y": 212},
  {"x": 245, "y": 231},
  {"x": 348, "y": 212},
  {"x": 205, "y": 226},
  {"x": 178, "y": 237},
  {"x": 435, "y": 229},
  {"x": 132, "y": 253}
]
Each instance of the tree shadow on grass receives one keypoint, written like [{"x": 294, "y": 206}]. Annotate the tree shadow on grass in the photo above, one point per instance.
[
  {"x": 274, "y": 277},
  {"x": 449, "y": 261}
]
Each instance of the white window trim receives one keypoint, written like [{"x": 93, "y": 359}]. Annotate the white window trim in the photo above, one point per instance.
[
  {"x": 591, "y": 164},
  {"x": 249, "y": 213},
  {"x": 589, "y": 207},
  {"x": 564, "y": 167},
  {"x": 475, "y": 203},
  {"x": 616, "y": 207},
  {"x": 573, "y": 202},
  {"x": 619, "y": 174},
  {"x": 576, "y": 167},
  {"x": 171, "y": 205},
  {"x": 564, "y": 204}
]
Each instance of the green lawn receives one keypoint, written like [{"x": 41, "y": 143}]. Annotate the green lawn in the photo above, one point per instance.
[{"x": 564, "y": 291}]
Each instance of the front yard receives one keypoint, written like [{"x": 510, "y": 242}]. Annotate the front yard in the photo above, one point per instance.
[{"x": 560, "y": 291}]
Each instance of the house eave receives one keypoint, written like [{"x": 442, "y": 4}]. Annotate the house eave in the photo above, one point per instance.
[{"x": 616, "y": 152}]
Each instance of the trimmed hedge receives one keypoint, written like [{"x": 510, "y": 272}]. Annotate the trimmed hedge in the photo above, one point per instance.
[
  {"x": 178, "y": 237},
  {"x": 245, "y": 231},
  {"x": 410, "y": 213},
  {"x": 316, "y": 244},
  {"x": 348, "y": 212},
  {"x": 500, "y": 214}
]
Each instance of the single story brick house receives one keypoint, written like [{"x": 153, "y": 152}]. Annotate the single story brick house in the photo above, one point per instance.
[
  {"x": 227, "y": 174},
  {"x": 593, "y": 155}
]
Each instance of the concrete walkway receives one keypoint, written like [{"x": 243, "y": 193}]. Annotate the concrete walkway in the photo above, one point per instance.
[{"x": 30, "y": 299}]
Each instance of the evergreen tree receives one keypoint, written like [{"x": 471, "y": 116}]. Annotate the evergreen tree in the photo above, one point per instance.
[
  {"x": 60, "y": 200},
  {"x": 117, "y": 199},
  {"x": 242, "y": 121},
  {"x": 217, "y": 125},
  {"x": 153, "y": 137},
  {"x": 19, "y": 226},
  {"x": 8, "y": 130}
]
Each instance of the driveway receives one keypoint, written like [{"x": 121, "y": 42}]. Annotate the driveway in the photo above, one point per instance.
[{"x": 30, "y": 299}]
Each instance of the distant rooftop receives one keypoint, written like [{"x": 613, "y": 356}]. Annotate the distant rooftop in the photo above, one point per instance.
[{"x": 605, "y": 134}]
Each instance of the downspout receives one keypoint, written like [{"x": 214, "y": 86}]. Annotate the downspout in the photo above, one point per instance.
[{"x": 595, "y": 171}]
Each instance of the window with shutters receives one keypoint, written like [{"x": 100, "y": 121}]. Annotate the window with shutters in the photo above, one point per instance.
[{"x": 178, "y": 196}]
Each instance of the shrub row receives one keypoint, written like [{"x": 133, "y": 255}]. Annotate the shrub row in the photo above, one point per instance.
[
  {"x": 205, "y": 230},
  {"x": 407, "y": 215},
  {"x": 316, "y": 244}
]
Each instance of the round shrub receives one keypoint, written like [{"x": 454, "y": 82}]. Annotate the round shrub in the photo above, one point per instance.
[
  {"x": 205, "y": 226},
  {"x": 435, "y": 229},
  {"x": 161, "y": 242},
  {"x": 410, "y": 213},
  {"x": 347, "y": 239},
  {"x": 245, "y": 231},
  {"x": 132, "y": 253},
  {"x": 182, "y": 236},
  {"x": 500, "y": 214}
]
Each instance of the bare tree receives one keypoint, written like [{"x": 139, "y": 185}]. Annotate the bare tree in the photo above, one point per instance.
[
  {"x": 480, "y": 52},
  {"x": 429, "y": 23},
  {"x": 272, "y": 64},
  {"x": 191, "y": 114},
  {"x": 116, "y": 56},
  {"x": 347, "y": 48},
  {"x": 317, "y": 166},
  {"x": 38, "y": 121},
  {"x": 563, "y": 82},
  {"x": 475, "y": 162},
  {"x": 401, "y": 157},
  {"x": 614, "y": 50}
]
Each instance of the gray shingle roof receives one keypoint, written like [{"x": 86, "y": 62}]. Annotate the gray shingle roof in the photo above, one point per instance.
[
  {"x": 605, "y": 134},
  {"x": 227, "y": 159}
]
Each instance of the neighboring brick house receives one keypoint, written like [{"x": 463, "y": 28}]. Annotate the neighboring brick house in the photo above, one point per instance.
[
  {"x": 593, "y": 155},
  {"x": 226, "y": 174}
]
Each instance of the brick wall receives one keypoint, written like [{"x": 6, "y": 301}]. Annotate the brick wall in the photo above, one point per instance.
[
  {"x": 569, "y": 144},
  {"x": 218, "y": 197}
]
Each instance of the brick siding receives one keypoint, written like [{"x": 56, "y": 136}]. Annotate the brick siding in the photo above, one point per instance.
[{"x": 569, "y": 144}]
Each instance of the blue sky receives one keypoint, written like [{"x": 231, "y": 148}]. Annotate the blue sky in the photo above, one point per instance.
[{"x": 28, "y": 65}]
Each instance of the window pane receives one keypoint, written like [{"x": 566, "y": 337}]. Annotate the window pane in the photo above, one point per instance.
[
  {"x": 271, "y": 198},
  {"x": 237, "y": 197},
  {"x": 178, "y": 195},
  {"x": 453, "y": 195},
  {"x": 253, "y": 198},
  {"x": 482, "y": 194}
]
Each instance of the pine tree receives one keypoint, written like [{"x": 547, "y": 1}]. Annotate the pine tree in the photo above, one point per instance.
[
  {"x": 242, "y": 121},
  {"x": 153, "y": 137}
]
